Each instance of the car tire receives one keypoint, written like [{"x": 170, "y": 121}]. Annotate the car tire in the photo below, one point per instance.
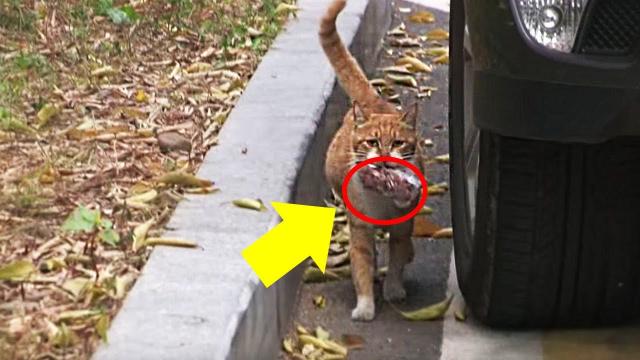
[{"x": 555, "y": 240}]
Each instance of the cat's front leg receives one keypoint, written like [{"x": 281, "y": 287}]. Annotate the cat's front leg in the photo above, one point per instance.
[
  {"x": 362, "y": 255},
  {"x": 400, "y": 254}
]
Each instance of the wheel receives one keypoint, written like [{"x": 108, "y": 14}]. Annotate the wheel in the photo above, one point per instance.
[{"x": 545, "y": 234}]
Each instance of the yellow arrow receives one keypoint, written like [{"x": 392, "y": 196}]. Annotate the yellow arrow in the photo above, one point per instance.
[{"x": 304, "y": 231}]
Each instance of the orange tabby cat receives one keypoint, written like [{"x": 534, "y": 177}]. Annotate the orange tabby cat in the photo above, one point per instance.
[{"x": 371, "y": 128}]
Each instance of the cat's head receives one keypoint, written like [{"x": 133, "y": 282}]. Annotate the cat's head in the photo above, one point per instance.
[{"x": 384, "y": 135}]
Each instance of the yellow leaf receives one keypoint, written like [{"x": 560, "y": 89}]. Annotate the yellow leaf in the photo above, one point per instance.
[
  {"x": 142, "y": 96},
  {"x": 286, "y": 9},
  {"x": 437, "y": 51},
  {"x": 46, "y": 113},
  {"x": 460, "y": 314},
  {"x": 144, "y": 197},
  {"x": 405, "y": 80},
  {"x": 140, "y": 234},
  {"x": 198, "y": 67},
  {"x": 252, "y": 204},
  {"x": 322, "y": 334},
  {"x": 122, "y": 284},
  {"x": 328, "y": 345},
  {"x": 77, "y": 286},
  {"x": 443, "y": 233},
  {"x": 319, "y": 301},
  {"x": 77, "y": 314},
  {"x": 64, "y": 337},
  {"x": 103, "y": 71},
  {"x": 433, "y": 312},
  {"x": 313, "y": 275},
  {"x": 422, "y": 17},
  {"x": 170, "y": 242},
  {"x": 442, "y": 59},
  {"x": 102, "y": 325},
  {"x": 414, "y": 64},
  {"x": 287, "y": 345},
  {"x": 183, "y": 179},
  {"x": 17, "y": 271},
  {"x": 443, "y": 159},
  {"x": 438, "y": 34}
]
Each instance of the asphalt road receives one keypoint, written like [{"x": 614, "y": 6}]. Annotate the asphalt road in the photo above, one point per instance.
[{"x": 430, "y": 277}]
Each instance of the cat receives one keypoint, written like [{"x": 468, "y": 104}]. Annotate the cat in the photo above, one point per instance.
[{"x": 372, "y": 127}]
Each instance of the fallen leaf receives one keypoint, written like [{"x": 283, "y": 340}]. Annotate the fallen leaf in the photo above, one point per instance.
[
  {"x": 287, "y": 345},
  {"x": 422, "y": 17},
  {"x": 437, "y": 51},
  {"x": 140, "y": 234},
  {"x": 378, "y": 82},
  {"x": 144, "y": 197},
  {"x": 142, "y": 96},
  {"x": 155, "y": 241},
  {"x": 406, "y": 80},
  {"x": 198, "y": 67},
  {"x": 402, "y": 70},
  {"x": 443, "y": 233},
  {"x": 313, "y": 275},
  {"x": 252, "y": 204},
  {"x": 404, "y": 42},
  {"x": 19, "y": 270},
  {"x": 302, "y": 330},
  {"x": 64, "y": 337},
  {"x": 438, "y": 189},
  {"x": 438, "y": 34},
  {"x": 77, "y": 286},
  {"x": 425, "y": 211},
  {"x": 398, "y": 30},
  {"x": 460, "y": 314},
  {"x": 78, "y": 314},
  {"x": 442, "y": 59},
  {"x": 328, "y": 345},
  {"x": 103, "y": 71},
  {"x": 353, "y": 341},
  {"x": 414, "y": 64},
  {"x": 432, "y": 312},
  {"x": 286, "y": 9},
  {"x": 183, "y": 179},
  {"x": 442, "y": 159},
  {"x": 422, "y": 226},
  {"x": 46, "y": 113},
  {"x": 320, "y": 301},
  {"x": 102, "y": 325},
  {"x": 322, "y": 334}
]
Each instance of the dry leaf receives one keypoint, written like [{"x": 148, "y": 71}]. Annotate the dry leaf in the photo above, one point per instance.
[
  {"x": 143, "y": 198},
  {"x": 398, "y": 30},
  {"x": 77, "y": 286},
  {"x": 443, "y": 159},
  {"x": 437, "y": 51},
  {"x": 198, "y": 67},
  {"x": 402, "y": 70},
  {"x": 46, "y": 113},
  {"x": 406, "y": 80},
  {"x": 319, "y": 301},
  {"x": 424, "y": 227},
  {"x": 322, "y": 334},
  {"x": 432, "y": 312},
  {"x": 252, "y": 204},
  {"x": 414, "y": 64},
  {"x": 287, "y": 345},
  {"x": 183, "y": 179},
  {"x": 438, "y": 189},
  {"x": 404, "y": 42},
  {"x": 17, "y": 271},
  {"x": 460, "y": 314},
  {"x": 141, "y": 96},
  {"x": 353, "y": 341},
  {"x": 286, "y": 9},
  {"x": 328, "y": 345},
  {"x": 443, "y": 233},
  {"x": 64, "y": 337},
  {"x": 313, "y": 275},
  {"x": 438, "y": 34},
  {"x": 102, "y": 325},
  {"x": 103, "y": 71},
  {"x": 156, "y": 241},
  {"x": 422, "y": 17},
  {"x": 302, "y": 330},
  {"x": 77, "y": 314},
  {"x": 442, "y": 59},
  {"x": 425, "y": 211}
]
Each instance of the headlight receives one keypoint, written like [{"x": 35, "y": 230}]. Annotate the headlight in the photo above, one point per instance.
[{"x": 552, "y": 23}]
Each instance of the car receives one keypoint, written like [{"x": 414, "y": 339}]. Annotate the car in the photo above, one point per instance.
[{"x": 544, "y": 128}]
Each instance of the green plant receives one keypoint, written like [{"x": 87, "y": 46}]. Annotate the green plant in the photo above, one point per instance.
[{"x": 85, "y": 220}]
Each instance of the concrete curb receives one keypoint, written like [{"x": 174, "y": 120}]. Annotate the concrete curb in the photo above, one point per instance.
[{"x": 207, "y": 303}]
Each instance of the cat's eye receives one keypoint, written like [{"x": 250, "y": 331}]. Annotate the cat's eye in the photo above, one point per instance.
[
  {"x": 372, "y": 142},
  {"x": 398, "y": 143}
]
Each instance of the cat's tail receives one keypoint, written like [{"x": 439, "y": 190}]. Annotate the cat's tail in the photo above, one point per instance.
[{"x": 350, "y": 75}]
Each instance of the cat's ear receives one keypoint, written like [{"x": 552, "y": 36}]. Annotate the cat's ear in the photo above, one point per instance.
[
  {"x": 410, "y": 117},
  {"x": 358, "y": 115}
]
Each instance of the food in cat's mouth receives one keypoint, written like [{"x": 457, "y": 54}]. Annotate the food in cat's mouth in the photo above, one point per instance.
[{"x": 400, "y": 183}]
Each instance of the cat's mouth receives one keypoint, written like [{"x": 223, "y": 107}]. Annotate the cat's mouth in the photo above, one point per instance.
[{"x": 398, "y": 183}]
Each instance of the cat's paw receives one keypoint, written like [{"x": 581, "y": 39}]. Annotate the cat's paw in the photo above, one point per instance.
[
  {"x": 365, "y": 310},
  {"x": 394, "y": 291}
]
